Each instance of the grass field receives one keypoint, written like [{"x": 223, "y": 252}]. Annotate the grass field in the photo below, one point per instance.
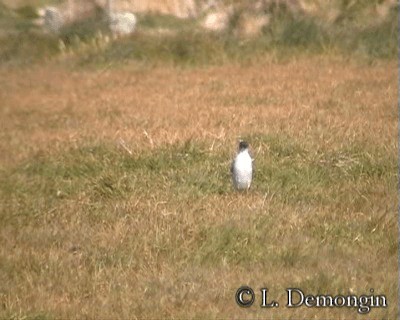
[
  {"x": 116, "y": 200},
  {"x": 115, "y": 192}
]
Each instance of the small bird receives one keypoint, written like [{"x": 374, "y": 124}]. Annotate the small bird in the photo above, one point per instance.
[{"x": 242, "y": 168}]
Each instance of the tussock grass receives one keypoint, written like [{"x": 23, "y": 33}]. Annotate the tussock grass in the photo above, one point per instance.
[
  {"x": 26, "y": 48},
  {"x": 286, "y": 36},
  {"x": 157, "y": 21},
  {"x": 116, "y": 199}
]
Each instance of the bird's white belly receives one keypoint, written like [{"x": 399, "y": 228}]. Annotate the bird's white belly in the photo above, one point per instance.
[{"x": 242, "y": 172}]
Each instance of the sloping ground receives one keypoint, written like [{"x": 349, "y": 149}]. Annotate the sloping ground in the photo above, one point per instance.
[{"x": 116, "y": 198}]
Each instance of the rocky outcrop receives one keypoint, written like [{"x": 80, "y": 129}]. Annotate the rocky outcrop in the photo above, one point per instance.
[
  {"x": 122, "y": 23},
  {"x": 179, "y": 8},
  {"x": 251, "y": 24},
  {"x": 217, "y": 19},
  {"x": 244, "y": 18},
  {"x": 248, "y": 18}
]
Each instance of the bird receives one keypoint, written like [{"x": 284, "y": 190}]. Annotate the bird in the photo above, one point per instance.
[{"x": 242, "y": 168}]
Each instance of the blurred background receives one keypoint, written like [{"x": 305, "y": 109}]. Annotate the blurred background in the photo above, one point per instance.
[{"x": 192, "y": 31}]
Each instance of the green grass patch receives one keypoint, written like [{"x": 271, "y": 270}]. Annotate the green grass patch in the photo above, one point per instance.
[
  {"x": 154, "y": 21},
  {"x": 291, "y": 171},
  {"x": 228, "y": 243},
  {"x": 25, "y": 48},
  {"x": 27, "y": 12}
]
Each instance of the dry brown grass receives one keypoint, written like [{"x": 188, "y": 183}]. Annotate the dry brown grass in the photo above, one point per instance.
[
  {"x": 326, "y": 102},
  {"x": 164, "y": 250}
]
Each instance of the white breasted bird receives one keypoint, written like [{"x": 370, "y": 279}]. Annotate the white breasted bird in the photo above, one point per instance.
[{"x": 242, "y": 168}]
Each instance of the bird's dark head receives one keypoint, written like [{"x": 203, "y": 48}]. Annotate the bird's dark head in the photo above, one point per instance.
[{"x": 243, "y": 145}]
